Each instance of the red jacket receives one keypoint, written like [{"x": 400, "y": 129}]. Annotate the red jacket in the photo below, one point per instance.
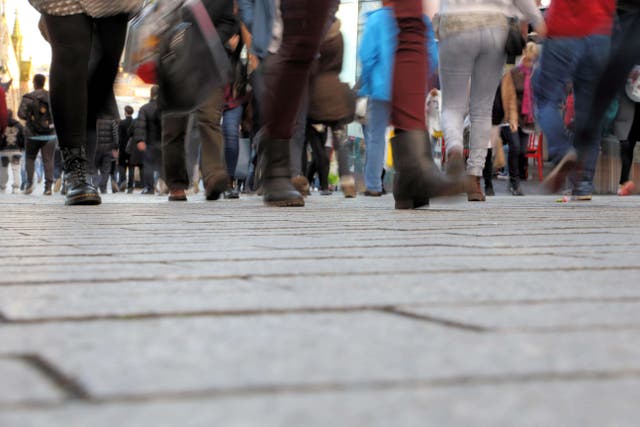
[{"x": 580, "y": 18}]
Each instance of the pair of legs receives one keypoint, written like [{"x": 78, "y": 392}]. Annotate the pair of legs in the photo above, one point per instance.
[
  {"x": 103, "y": 163},
  {"x": 212, "y": 163},
  {"x": 518, "y": 142},
  {"x": 48, "y": 150},
  {"x": 10, "y": 161},
  {"x": 470, "y": 70},
  {"x": 81, "y": 84},
  {"x": 85, "y": 57},
  {"x": 567, "y": 60}
]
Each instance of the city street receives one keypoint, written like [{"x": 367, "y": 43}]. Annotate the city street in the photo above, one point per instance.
[{"x": 520, "y": 311}]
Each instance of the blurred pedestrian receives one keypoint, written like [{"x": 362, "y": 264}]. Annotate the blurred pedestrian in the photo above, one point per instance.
[{"x": 473, "y": 35}]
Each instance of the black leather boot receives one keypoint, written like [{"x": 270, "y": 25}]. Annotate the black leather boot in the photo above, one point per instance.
[
  {"x": 274, "y": 174},
  {"x": 79, "y": 190},
  {"x": 417, "y": 178}
]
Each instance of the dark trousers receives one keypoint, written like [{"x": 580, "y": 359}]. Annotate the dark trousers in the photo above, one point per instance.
[
  {"x": 103, "y": 162},
  {"x": 82, "y": 87},
  {"x": 152, "y": 164},
  {"x": 320, "y": 157},
  {"x": 518, "y": 142},
  {"x": 487, "y": 172},
  {"x": 174, "y": 129},
  {"x": 626, "y": 153},
  {"x": 286, "y": 73},
  {"x": 48, "y": 149},
  {"x": 410, "y": 68},
  {"x": 123, "y": 164},
  {"x": 625, "y": 53}
]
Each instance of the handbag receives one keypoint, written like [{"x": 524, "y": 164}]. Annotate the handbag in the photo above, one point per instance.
[
  {"x": 515, "y": 41},
  {"x": 192, "y": 61}
]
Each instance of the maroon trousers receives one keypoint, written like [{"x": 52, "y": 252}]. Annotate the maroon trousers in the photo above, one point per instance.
[
  {"x": 410, "y": 70},
  {"x": 286, "y": 73}
]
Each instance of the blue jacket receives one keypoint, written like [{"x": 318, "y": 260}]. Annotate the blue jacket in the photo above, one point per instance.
[
  {"x": 377, "y": 53},
  {"x": 258, "y": 17}
]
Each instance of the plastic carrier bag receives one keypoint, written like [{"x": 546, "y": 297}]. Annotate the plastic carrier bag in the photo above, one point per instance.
[
  {"x": 175, "y": 44},
  {"x": 144, "y": 35}
]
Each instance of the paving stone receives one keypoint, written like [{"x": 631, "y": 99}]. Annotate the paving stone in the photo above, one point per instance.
[
  {"x": 546, "y": 316},
  {"x": 32, "y": 302},
  {"x": 195, "y": 354},
  {"x": 578, "y": 404},
  {"x": 20, "y": 383}
]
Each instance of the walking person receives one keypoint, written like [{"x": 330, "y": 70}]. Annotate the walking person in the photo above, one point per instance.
[
  {"x": 472, "y": 36},
  {"x": 625, "y": 53},
  {"x": 11, "y": 150},
  {"x": 81, "y": 89},
  {"x": 235, "y": 96},
  {"x": 147, "y": 137},
  {"x": 517, "y": 101},
  {"x": 40, "y": 135},
  {"x": 627, "y": 129},
  {"x": 207, "y": 116},
  {"x": 332, "y": 103},
  {"x": 376, "y": 53},
  {"x": 107, "y": 135},
  {"x": 125, "y": 132},
  {"x": 575, "y": 53}
]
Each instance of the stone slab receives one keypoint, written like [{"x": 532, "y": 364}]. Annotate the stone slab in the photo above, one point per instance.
[
  {"x": 248, "y": 352},
  {"x": 555, "y": 403},
  {"x": 166, "y": 297}
]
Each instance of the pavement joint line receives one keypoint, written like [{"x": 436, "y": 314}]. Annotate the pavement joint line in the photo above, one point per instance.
[
  {"x": 174, "y": 278},
  {"x": 333, "y": 387},
  {"x": 468, "y": 327},
  {"x": 341, "y": 309},
  {"x": 568, "y": 329},
  {"x": 198, "y": 313},
  {"x": 71, "y": 388},
  {"x": 174, "y": 262}
]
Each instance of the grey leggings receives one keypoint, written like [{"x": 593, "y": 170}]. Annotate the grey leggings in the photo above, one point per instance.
[{"x": 471, "y": 65}]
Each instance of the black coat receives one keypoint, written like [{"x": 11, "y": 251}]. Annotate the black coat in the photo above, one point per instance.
[
  {"x": 125, "y": 131},
  {"x": 148, "y": 127}
]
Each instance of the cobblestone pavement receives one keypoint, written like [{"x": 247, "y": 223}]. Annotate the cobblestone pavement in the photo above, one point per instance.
[{"x": 139, "y": 312}]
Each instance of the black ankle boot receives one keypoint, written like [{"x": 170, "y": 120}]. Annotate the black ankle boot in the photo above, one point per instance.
[
  {"x": 417, "y": 178},
  {"x": 274, "y": 173},
  {"x": 79, "y": 190}
]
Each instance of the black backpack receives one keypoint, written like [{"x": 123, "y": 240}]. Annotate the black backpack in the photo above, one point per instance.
[{"x": 40, "y": 121}]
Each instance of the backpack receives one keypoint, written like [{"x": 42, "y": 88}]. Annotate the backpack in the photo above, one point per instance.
[{"x": 40, "y": 121}]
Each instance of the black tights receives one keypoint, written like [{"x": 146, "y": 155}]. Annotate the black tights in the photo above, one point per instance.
[{"x": 85, "y": 56}]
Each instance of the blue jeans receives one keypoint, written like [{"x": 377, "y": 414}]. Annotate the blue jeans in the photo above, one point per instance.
[
  {"x": 231, "y": 132},
  {"x": 378, "y": 115},
  {"x": 566, "y": 60}
]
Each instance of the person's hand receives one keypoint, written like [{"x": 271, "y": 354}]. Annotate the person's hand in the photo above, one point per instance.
[
  {"x": 254, "y": 62},
  {"x": 233, "y": 41},
  {"x": 141, "y": 146},
  {"x": 541, "y": 30},
  {"x": 513, "y": 126}
]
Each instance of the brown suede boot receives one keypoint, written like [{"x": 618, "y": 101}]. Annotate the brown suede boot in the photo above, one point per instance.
[{"x": 474, "y": 191}]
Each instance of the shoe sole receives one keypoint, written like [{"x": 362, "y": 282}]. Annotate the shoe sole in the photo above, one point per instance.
[
  {"x": 83, "y": 199},
  {"x": 286, "y": 203},
  {"x": 411, "y": 204}
]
